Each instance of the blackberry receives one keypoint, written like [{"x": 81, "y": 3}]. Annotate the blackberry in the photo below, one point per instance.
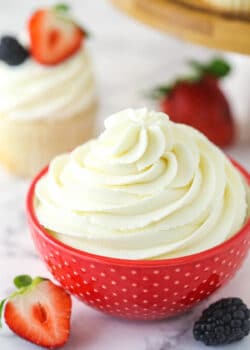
[
  {"x": 12, "y": 52},
  {"x": 224, "y": 322}
]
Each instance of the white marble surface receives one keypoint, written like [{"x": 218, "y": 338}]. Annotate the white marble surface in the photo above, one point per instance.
[{"x": 129, "y": 59}]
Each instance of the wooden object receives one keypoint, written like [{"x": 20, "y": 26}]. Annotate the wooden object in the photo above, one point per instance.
[
  {"x": 197, "y": 25},
  {"x": 206, "y": 5}
]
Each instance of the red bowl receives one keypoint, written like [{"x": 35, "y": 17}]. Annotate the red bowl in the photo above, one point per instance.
[{"x": 139, "y": 289}]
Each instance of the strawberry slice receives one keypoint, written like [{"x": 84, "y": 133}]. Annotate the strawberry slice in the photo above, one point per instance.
[
  {"x": 54, "y": 37},
  {"x": 39, "y": 311}
]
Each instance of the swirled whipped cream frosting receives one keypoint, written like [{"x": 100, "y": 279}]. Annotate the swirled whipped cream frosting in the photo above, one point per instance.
[
  {"x": 32, "y": 91},
  {"x": 146, "y": 188}
]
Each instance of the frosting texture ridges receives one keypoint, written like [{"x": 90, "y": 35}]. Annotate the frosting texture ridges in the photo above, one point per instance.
[
  {"x": 33, "y": 91},
  {"x": 147, "y": 188}
]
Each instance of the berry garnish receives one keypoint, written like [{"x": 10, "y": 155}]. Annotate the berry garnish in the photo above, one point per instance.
[
  {"x": 54, "y": 36},
  {"x": 38, "y": 311},
  {"x": 12, "y": 52},
  {"x": 197, "y": 100},
  {"x": 224, "y": 322}
]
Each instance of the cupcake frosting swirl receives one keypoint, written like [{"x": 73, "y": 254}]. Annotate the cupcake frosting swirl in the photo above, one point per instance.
[
  {"x": 147, "y": 188},
  {"x": 33, "y": 91}
]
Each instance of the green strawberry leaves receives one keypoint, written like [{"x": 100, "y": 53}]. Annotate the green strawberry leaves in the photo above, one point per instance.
[
  {"x": 63, "y": 11},
  {"x": 63, "y": 8},
  {"x": 217, "y": 67},
  {"x": 160, "y": 91},
  {"x": 22, "y": 281},
  {"x": 164, "y": 90},
  {"x": 1, "y": 310}
]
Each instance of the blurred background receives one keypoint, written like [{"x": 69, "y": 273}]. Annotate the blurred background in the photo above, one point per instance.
[{"x": 131, "y": 59}]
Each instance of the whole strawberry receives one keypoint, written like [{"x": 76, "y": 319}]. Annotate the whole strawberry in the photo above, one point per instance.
[
  {"x": 39, "y": 311},
  {"x": 198, "y": 101}
]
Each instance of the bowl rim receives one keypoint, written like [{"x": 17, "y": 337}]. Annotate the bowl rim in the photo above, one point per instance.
[{"x": 193, "y": 258}]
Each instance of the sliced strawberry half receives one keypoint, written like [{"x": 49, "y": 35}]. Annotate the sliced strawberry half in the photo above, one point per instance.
[
  {"x": 39, "y": 312},
  {"x": 54, "y": 37}
]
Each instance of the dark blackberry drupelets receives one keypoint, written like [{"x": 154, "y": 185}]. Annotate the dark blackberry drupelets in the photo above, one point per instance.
[{"x": 224, "y": 322}]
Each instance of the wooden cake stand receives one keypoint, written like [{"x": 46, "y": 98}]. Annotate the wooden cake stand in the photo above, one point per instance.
[{"x": 192, "y": 23}]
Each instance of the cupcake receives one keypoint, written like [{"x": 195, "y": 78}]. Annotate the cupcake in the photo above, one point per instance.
[
  {"x": 47, "y": 92},
  {"x": 146, "y": 188}
]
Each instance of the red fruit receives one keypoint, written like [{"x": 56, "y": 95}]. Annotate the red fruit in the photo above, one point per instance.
[
  {"x": 202, "y": 105},
  {"x": 53, "y": 36},
  {"x": 40, "y": 313}
]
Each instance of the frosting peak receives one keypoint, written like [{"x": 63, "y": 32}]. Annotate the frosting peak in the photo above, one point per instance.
[
  {"x": 147, "y": 188},
  {"x": 133, "y": 137}
]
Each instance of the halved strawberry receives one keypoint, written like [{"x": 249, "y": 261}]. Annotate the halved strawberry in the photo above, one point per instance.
[
  {"x": 39, "y": 311},
  {"x": 53, "y": 35}
]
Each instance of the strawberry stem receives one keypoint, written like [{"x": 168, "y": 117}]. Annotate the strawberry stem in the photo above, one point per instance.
[
  {"x": 63, "y": 12},
  {"x": 164, "y": 90},
  {"x": 22, "y": 281},
  {"x": 62, "y": 7},
  {"x": 217, "y": 67},
  {"x": 160, "y": 91},
  {"x": 38, "y": 280},
  {"x": 1, "y": 310}
]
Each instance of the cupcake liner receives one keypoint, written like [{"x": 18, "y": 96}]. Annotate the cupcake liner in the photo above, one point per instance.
[{"x": 27, "y": 146}]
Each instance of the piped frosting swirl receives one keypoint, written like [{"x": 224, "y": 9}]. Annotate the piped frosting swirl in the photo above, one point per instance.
[
  {"x": 146, "y": 188},
  {"x": 32, "y": 91}
]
